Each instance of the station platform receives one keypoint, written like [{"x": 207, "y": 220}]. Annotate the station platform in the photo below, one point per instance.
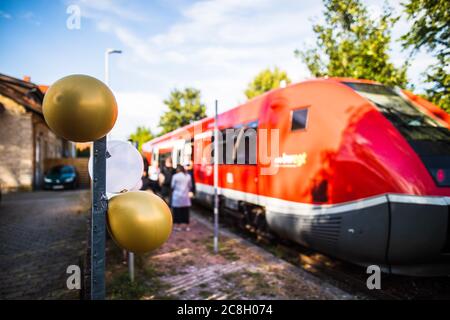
[{"x": 186, "y": 268}]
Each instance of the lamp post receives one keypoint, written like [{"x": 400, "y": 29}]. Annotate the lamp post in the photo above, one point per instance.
[
  {"x": 107, "y": 53},
  {"x": 130, "y": 254}
]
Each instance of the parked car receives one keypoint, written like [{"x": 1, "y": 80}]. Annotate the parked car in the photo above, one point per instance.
[{"x": 61, "y": 177}]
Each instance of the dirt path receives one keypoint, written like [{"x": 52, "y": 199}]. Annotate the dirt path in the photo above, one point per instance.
[{"x": 186, "y": 268}]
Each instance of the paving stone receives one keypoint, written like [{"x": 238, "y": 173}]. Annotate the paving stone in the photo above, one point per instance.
[{"x": 41, "y": 234}]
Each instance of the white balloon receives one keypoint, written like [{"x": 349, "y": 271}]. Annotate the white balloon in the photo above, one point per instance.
[
  {"x": 110, "y": 195},
  {"x": 124, "y": 167},
  {"x": 138, "y": 186}
]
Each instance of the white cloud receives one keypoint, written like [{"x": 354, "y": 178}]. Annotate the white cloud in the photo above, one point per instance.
[
  {"x": 5, "y": 15},
  {"x": 135, "y": 109},
  {"x": 30, "y": 17},
  {"x": 216, "y": 46},
  {"x": 107, "y": 9}
]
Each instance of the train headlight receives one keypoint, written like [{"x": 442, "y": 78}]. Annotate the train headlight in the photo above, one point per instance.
[{"x": 441, "y": 176}]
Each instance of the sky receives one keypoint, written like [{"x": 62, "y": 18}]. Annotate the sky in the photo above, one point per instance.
[{"x": 217, "y": 46}]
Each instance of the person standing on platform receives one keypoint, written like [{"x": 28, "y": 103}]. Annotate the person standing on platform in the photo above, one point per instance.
[
  {"x": 190, "y": 170},
  {"x": 144, "y": 178},
  {"x": 153, "y": 174},
  {"x": 181, "y": 201},
  {"x": 166, "y": 180}
]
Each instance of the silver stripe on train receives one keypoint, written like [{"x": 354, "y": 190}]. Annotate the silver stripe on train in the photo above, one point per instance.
[{"x": 291, "y": 207}]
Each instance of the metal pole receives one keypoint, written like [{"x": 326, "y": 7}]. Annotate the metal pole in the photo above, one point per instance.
[
  {"x": 216, "y": 181},
  {"x": 131, "y": 265},
  {"x": 99, "y": 208},
  {"x": 107, "y": 67},
  {"x": 131, "y": 254}
]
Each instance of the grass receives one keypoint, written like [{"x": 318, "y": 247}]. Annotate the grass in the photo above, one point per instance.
[
  {"x": 147, "y": 284},
  {"x": 205, "y": 294},
  {"x": 225, "y": 249},
  {"x": 250, "y": 282},
  {"x": 122, "y": 288}
]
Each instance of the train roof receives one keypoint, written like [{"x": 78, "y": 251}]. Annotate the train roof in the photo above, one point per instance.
[{"x": 250, "y": 108}]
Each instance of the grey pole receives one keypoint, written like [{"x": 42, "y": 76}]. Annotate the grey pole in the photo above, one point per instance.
[
  {"x": 99, "y": 207},
  {"x": 216, "y": 181},
  {"x": 131, "y": 254},
  {"x": 131, "y": 265}
]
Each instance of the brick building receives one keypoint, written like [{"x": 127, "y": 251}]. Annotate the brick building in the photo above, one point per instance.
[{"x": 26, "y": 142}]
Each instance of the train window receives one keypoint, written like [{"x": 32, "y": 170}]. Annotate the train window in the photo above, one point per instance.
[
  {"x": 237, "y": 145},
  {"x": 245, "y": 147},
  {"x": 245, "y": 151},
  {"x": 299, "y": 119},
  {"x": 221, "y": 149},
  {"x": 392, "y": 105}
]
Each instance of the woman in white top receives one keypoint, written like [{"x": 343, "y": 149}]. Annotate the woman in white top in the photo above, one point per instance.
[
  {"x": 181, "y": 187},
  {"x": 153, "y": 174}
]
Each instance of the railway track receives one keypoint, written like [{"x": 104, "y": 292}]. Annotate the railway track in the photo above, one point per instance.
[{"x": 346, "y": 276}]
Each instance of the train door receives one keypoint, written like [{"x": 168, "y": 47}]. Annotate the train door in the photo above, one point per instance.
[
  {"x": 188, "y": 153},
  {"x": 163, "y": 155},
  {"x": 238, "y": 163},
  {"x": 182, "y": 153}
]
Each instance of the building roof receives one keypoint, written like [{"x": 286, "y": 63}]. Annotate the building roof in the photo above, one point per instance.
[{"x": 23, "y": 92}]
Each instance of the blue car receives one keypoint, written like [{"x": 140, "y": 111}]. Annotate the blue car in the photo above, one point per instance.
[{"x": 61, "y": 177}]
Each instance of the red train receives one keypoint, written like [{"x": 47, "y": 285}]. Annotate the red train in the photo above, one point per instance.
[{"x": 349, "y": 167}]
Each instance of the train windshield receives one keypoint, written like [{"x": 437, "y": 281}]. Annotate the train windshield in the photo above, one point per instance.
[
  {"x": 393, "y": 106},
  {"x": 427, "y": 137}
]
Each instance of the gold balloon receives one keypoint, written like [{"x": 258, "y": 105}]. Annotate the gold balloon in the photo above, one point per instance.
[
  {"x": 80, "y": 108},
  {"x": 139, "y": 221}
]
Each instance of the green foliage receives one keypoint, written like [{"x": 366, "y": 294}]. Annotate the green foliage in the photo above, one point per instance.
[
  {"x": 121, "y": 288},
  {"x": 184, "y": 107},
  {"x": 147, "y": 285},
  {"x": 431, "y": 30},
  {"x": 265, "y": 81},
  {"x": 141, "y": 135},
  {"x": 352, "y": 44}
]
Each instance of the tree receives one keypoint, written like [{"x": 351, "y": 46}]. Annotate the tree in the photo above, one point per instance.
[
  {"x": 184, "y": 107},
  {"x": 141, "y": 135},
  {"x": 265, "y": 81},
  {"x": 352, "y": 44},
  {"x": 431, "y": 30}
]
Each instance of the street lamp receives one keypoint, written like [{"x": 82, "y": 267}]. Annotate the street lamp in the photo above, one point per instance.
[
  {"x": 130, "y": 254},
  {"x": 107, "y": 53}
]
